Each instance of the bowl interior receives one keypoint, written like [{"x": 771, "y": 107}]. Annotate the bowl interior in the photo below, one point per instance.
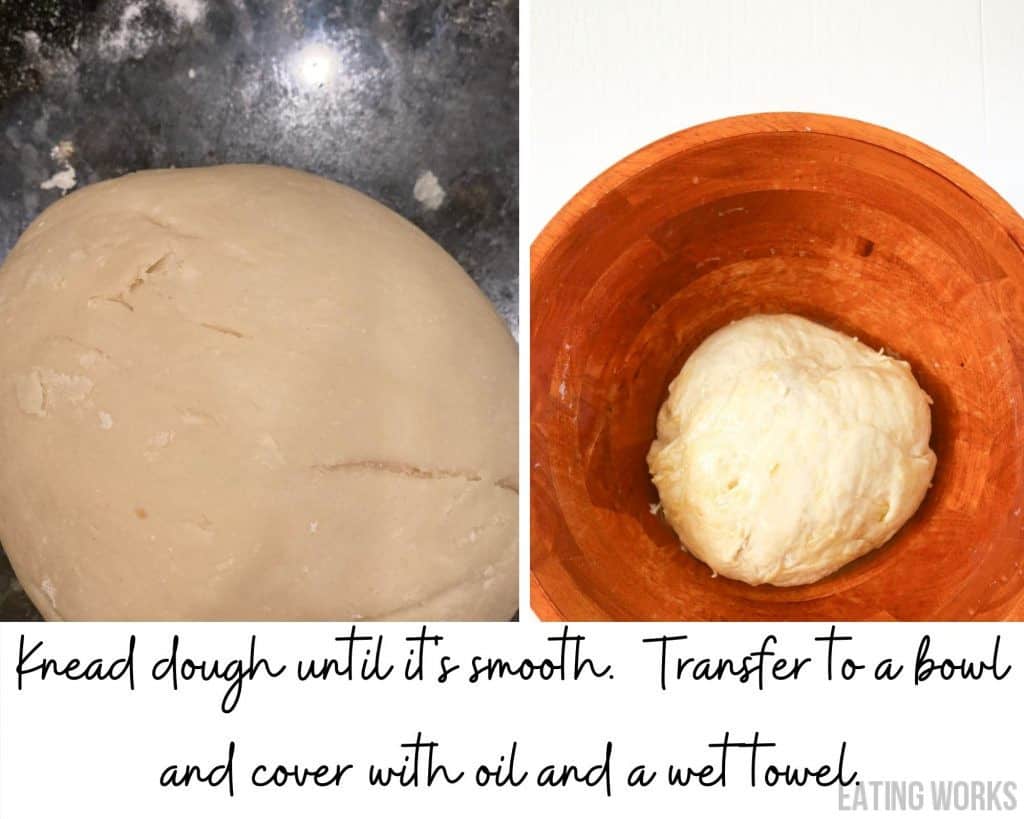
[{"x": 845, "y": 231}]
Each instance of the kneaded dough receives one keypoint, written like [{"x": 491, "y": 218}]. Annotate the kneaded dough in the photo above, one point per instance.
[
  {"x": 247, "y": 392},
  {"x": 786, "y": 449}
]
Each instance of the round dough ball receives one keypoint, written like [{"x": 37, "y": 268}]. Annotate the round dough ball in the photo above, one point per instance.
[
  {"x": 247, "y": 392},
  {"x": 785, "y": 450}
]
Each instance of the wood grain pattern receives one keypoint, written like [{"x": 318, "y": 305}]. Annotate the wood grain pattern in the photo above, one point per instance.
[{"x": 846, "y": 223}]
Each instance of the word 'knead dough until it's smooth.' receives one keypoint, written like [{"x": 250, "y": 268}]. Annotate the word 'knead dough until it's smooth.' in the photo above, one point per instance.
[
  {"x": 246, "y": 392},
  {"x": 785, "y": 450}
]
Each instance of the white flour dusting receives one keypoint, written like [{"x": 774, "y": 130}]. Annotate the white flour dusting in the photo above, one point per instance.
[
  {"x": 188, "y": 11},
  {"x": 131, "y": 38},
  {"x": 161, "y": 439},
  {"x": 127, "y": 38},
  {"x": 48, "y": 61},
  {"x": 50, "y": 591},
  {"x": 428, "y": 191},
  {"x": 65, "y": 178}
]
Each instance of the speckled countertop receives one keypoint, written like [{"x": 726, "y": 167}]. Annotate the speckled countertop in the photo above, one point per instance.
[{"x": 414, "y": 102}]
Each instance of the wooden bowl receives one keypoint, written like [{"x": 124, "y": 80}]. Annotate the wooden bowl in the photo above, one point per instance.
[{"x": 849, "y": 224}]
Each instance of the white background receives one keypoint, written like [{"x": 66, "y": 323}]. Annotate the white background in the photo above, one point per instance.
[
  {"x": 608, "y": 77},
  {"x": 96, "y": 749}
]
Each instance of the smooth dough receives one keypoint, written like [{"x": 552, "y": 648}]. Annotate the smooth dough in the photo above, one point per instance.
[
  {"x": 247, "y": 392},
  {"x": 786, "y": 449}
]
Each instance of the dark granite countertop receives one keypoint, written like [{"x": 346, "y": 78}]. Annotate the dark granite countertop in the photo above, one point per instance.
[{"x": 414, "y": 102}]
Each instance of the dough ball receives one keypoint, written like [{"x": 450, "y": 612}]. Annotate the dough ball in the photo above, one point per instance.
[
  {"x": 785, "y": 450},
  {"x": 246, "y": 392}
]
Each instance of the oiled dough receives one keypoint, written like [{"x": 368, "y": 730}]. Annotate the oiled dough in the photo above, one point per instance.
[
  {"x": 786, "y": 449},
  {"x": 246, "y": 392}
]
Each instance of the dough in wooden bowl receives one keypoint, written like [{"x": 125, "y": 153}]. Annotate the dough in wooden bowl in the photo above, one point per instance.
[
  {"x": 786, "y": 449},
  {"x": 246, "y": 392}
]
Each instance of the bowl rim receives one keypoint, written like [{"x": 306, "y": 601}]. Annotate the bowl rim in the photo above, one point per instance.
[
  {"x": 564, "y": 221},
  {"x": 765, "y": 123}
]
